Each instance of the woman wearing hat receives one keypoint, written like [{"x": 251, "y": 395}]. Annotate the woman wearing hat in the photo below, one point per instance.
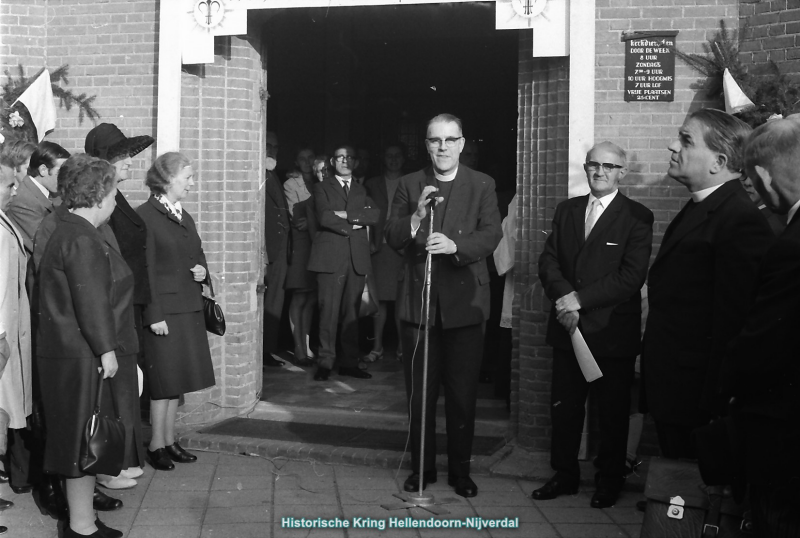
[
  {"x": 177, "y": 357},
  {"x": 107, "y": 142}
]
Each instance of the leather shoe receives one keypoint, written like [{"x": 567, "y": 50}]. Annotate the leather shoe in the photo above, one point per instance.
[
  {"x": 464, "y": 485},
  {"x": 354, "y": 371},
  {"x": 178, "y": 454},
  {"x": 160, "y": 460},
  {"x": 3, "y": 477},
  {"x": 269, "y": 360},
  {"x": 5, "y": 505},
  {"x": 322, "y": 374},
  {"x": 554, "y": 488},
  {"x": 303, "y": 361},
  {"x": 3, "y": 529},
  {"x": 21, "y": 489},
  {"x": 106, "y": 531},
  {"x": 52, "y": 498},
  {"x": 412, "y": 482},
  {"x": 104, "y": 503},
  {"x": 604, "y": 497}
]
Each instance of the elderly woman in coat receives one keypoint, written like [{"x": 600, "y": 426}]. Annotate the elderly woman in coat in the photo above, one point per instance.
[
  {"x": 85, "y": 322},
  {"x": 15, "y": 330}
]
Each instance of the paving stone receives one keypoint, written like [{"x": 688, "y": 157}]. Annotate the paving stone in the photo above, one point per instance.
[
  {"x": 168, "y": 516},
  {"x": 245, "y": 497},
  {"x": 241, "y": 514},
  {"x": 575, "y": 515},
  {"x": 237, "y": 530},
  {"x": 525, "y": 514},
  {"x": 165, "y": 531},
  {"x": 180, "y": 483},
  {"x": 589, "y": 530},
  {"x": 301, "y": 496},
  {"x": 172, "y": 499},
  {"x": 230, "y": 483}
]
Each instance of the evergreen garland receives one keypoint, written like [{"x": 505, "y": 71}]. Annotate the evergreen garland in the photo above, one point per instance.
[{"x": 771, "y": 91}]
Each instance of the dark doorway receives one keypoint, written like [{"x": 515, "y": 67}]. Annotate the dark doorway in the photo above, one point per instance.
[{"x": 372, "y": 75}]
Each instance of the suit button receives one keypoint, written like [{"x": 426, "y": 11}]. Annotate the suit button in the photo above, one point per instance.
[
  {"x": 191, "y": 257},
  {"x": 579, "y": 281}
]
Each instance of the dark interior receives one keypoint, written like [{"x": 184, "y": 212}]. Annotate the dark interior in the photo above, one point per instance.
[{"x": 373, "y": 75}]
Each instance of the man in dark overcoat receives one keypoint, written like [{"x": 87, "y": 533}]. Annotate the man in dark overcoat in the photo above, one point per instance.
[
  {"x": 761, "y": 370},
  {"x": 701, "y": 282}
]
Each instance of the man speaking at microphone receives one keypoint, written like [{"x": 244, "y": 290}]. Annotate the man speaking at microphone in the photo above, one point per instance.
[
  {"x": 466, "y": 229},
  {"x": 593, "y": 266}
]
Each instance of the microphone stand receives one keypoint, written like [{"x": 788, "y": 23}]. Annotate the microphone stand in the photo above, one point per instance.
[{"x": 422, "y": 499}]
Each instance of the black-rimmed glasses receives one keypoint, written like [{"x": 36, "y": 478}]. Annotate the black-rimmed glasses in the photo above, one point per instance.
[
  {"x": 607, "y": 167},
  {"x": 450, "y": 141}
]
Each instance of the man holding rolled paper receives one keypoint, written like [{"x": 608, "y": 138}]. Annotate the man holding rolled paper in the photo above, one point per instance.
[{"x": 593, "y": 266}]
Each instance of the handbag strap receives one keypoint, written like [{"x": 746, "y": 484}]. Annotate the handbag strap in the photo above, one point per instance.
[
  {"x": 714, "y": 513},
  {"x": 210, "y": 285},
  {"x": 100, "y": 394}
]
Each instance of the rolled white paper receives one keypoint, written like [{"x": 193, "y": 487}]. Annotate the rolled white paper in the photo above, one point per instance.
[{"x": 586, "y": 360}]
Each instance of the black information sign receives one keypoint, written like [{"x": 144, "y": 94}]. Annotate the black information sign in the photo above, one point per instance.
[{"x": 650, "y": 66}]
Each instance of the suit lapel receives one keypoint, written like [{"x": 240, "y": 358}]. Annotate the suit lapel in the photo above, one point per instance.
[
  {"x": 605, "y": 220},
  {"x": 36, "y": 194},
  {"x": 459, "y": 192},
  {"x": 336, "y": 187},
  {"x": 273, "y": 189},
  {"x": 158, "y": 205}
]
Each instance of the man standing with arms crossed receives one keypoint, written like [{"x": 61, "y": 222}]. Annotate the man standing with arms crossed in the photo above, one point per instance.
[{"x": 466, "y": 230}]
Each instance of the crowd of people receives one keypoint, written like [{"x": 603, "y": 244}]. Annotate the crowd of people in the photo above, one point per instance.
[
  {"x": 93, "y": 290},
  {"x": 97, "y": 300}
]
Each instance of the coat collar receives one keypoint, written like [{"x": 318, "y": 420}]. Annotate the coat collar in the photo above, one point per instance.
[
  {"x": 31, "y": 192},
  {"x": 6, "y": 223},
  {"x": 697, "y": 216},
  {"x": 124, "y": 208},
  {"x": 160, "y": 207}
]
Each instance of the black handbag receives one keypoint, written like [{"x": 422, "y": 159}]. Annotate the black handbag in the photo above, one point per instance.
[
  {"x": 103, "y": 444},
  {"x": 680, "y": 505},
  {"x": 212, "y": 312}
]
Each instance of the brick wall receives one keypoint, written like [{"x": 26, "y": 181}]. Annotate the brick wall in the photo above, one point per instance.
[
  {"x": 111, "y": 47},
  {"x": 542, "y": 168},
  {"x": 644, "y": 129},
  {"x": 771, "y": 33}
]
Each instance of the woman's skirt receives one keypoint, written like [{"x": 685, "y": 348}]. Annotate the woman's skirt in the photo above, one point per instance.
[
  {"x": 69, "y": 389},
  {"x": 386, "y": 266},
  {"x": 298, "y": 277},
  {"x": 179, "y": 362}
]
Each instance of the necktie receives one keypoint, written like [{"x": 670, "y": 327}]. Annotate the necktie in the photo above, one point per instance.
[
  {"x": 591, "y": 219},
  {"x": 347, "y": 188}
]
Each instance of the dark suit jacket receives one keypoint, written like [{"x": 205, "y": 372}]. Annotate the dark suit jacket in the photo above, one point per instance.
[
  {"x": 85, "y": 298},
  {"x": 699, "y": 289},
  {"x": 136, "y": 246},
  {"x": 276, "y": 219},
  {"x": 335, "y": 236},
  {"x": 762, "y": 366},
  {"x": 177, "y": 249},
  {"x": 472, "y": 221},
  {"x": 607, "y": 270},
  {"x": 27, "y": 209}
]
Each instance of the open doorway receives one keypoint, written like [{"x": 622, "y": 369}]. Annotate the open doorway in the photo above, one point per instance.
[{"x": 373, "y": 75}]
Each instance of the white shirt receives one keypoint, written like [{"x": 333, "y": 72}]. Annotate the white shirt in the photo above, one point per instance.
[
  {"x": 792, "y": 211},
  {"x": 605, "y": 201},
  {"x": 699, "y": 196},
  {"x": 41, "y": 187}
]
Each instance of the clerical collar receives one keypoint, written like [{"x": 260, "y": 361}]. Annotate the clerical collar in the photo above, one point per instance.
[
  {"x": 792, "y": 212},
  {"x": 449, "y": 177},
  {"x": 699, "y": 196},
  {"x": 41, "y": 187}
]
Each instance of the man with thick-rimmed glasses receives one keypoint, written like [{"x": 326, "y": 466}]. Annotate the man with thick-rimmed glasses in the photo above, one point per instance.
[
  {"x": 340, "y": 256},
  {"x": 465, "y": 230},
  {"x": 593, "y": 265}
]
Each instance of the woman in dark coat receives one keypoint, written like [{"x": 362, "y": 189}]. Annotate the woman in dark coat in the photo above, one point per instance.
[
  {"x": 85, "y": 326},
  {"x": 107, "y": 142},
  {"x": 386, "y": 262},
  {"x": 177, "y": 357}
]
